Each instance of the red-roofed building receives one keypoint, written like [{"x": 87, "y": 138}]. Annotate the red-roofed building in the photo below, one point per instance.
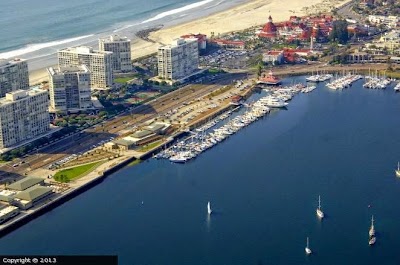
[
  {"x": 229, "y": 44},
  {"x": 201, "y": 38},
  {"x": 298, "y": 28},
  {"x": 269, "y": 30}
]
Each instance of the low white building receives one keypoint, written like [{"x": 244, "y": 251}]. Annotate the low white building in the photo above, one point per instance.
[
  {"x": 273, "y": 57},
  {"x": 389, "y": 21},
  {"x": 8, "y": 213}
]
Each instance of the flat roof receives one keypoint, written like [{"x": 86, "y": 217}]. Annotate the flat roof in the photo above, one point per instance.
[
  {"x": 141, "y": 134},
  {"x": 7, "y": 193},
  {"x": 155, "y": 127},
  {"x": 7, "y": 210},
  {"x": 25, "y": 183},
  {"x": 123, "y": 142}
]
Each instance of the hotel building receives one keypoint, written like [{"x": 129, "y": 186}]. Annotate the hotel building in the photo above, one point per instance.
[
  {"x": 13, "y": 75},
  {"x": 179, "y": 59},
  {"x": 69, "y": 88},
  {"x": 23, "y": 115},
  {"x": 121, "y": 49},
  {"x": 98, "y": 62}
]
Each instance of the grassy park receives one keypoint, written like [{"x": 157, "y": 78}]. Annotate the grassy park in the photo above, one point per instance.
[{"x": 69, "y": 174}]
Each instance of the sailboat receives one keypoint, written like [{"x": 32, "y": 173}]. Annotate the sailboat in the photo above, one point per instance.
[
  {"x": 398, "y": 170},
  {"x": 372, "y": 238},
  {"x": 307, "y": 249},
  {"x": 372, "y": 228},
  {"x": 209, "y": 208},
  {"x": 320, "y": 213}
]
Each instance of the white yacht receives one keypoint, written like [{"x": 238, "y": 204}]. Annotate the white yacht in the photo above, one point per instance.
[
  {"x": 274, "y": 102},
  {"x": 372, "y": 228},
  {"x": 320, "y": 213},
  {"x": 209, "y": 211},
  {"x": 307, "y": 249},
  {"x": 178, "y": 158},
  {"x": 313, "y": 78},
  {"x": 398, "y": 169},
  {"x": 397, "y": 87}
]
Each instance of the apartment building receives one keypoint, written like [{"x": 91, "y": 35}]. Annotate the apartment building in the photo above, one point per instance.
[
  {"x": 121, "y": 49},
  {"x": 13, "y": 75},
  {"x": 69, "y": 88},
  {"x": 98, "y": 62},
  {"x": 23, "y": 115},
  {"x": 179, "y": 59}
]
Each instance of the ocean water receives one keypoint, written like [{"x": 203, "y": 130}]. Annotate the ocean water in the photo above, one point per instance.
[
  {"x": 35, "y": 30},
  {"x": 263, "y": 183}
]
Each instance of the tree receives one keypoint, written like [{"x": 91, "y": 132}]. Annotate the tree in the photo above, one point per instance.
[
  {"x": 259, "y": 69},
  {"x": 339, "y": 32}
]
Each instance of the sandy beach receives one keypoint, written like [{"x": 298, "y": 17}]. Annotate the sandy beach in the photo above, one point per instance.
[{"x": 252, "y": 13}]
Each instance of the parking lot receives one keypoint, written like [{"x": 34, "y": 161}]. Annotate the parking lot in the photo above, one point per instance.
[{"x": 232, "y": 59}]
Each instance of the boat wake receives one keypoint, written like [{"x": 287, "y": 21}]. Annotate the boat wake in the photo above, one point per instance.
[
  {"x": 177, "y": 10},
  {"x": 36, "y": 47}
]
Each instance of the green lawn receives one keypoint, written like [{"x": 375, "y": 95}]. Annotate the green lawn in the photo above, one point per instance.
[
  {"x": 123, "y": 80},
  {"x": 69, "y": 174},
  {"x": 149, "y": 146}
]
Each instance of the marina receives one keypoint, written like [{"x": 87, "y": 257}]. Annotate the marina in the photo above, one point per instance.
[{"x": 213, "y": 132}]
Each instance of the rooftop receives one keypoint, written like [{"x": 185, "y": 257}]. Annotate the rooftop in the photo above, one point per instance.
[
  {"x": 179, "y": 41},
  {"x": 5, "y": 62},
  {"x": 84, "y": 50},
  {"x": 20, "y": 94},
  {"x": 24, "y": 183},
  {"x": 68, "y": 69},
  {"x": 7, "y": 193},
  {"x": 33, "y": 193},
  {"x": 7, "y": 210},
  {"x": 115, "y": 38}
]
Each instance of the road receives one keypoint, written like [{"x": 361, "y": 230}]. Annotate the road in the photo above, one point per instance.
[{"x": 301, "y": 69}]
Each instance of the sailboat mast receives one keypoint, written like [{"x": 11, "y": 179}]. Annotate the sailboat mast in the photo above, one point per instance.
[{"x": 319, "y": 202}]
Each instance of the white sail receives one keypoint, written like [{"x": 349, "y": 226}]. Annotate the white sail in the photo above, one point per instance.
[
  {"x": 372, "y": 228},
  {"x": 209, "y": 208},
  {"x": 320, "y": 213}
]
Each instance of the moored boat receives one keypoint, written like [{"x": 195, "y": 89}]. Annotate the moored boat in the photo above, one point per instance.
[{"x": 269, "y": 79}]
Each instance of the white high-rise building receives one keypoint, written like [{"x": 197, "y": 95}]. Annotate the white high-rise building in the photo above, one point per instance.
[
  {"x": 121, "y": 49},
  {"x": 179, "y": 59},
  {"x": 98, "y": 62},
  {"x": 69, "y": 88},
  {"x": 23, "y": 115},
  {"x": 13, "y": 75}
]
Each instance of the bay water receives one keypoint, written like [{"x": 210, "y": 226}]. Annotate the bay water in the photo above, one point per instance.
[{"x": 263, "y": 184}]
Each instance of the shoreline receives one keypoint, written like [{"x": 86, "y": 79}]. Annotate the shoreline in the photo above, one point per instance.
[{"x": 239, "y": 17}]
